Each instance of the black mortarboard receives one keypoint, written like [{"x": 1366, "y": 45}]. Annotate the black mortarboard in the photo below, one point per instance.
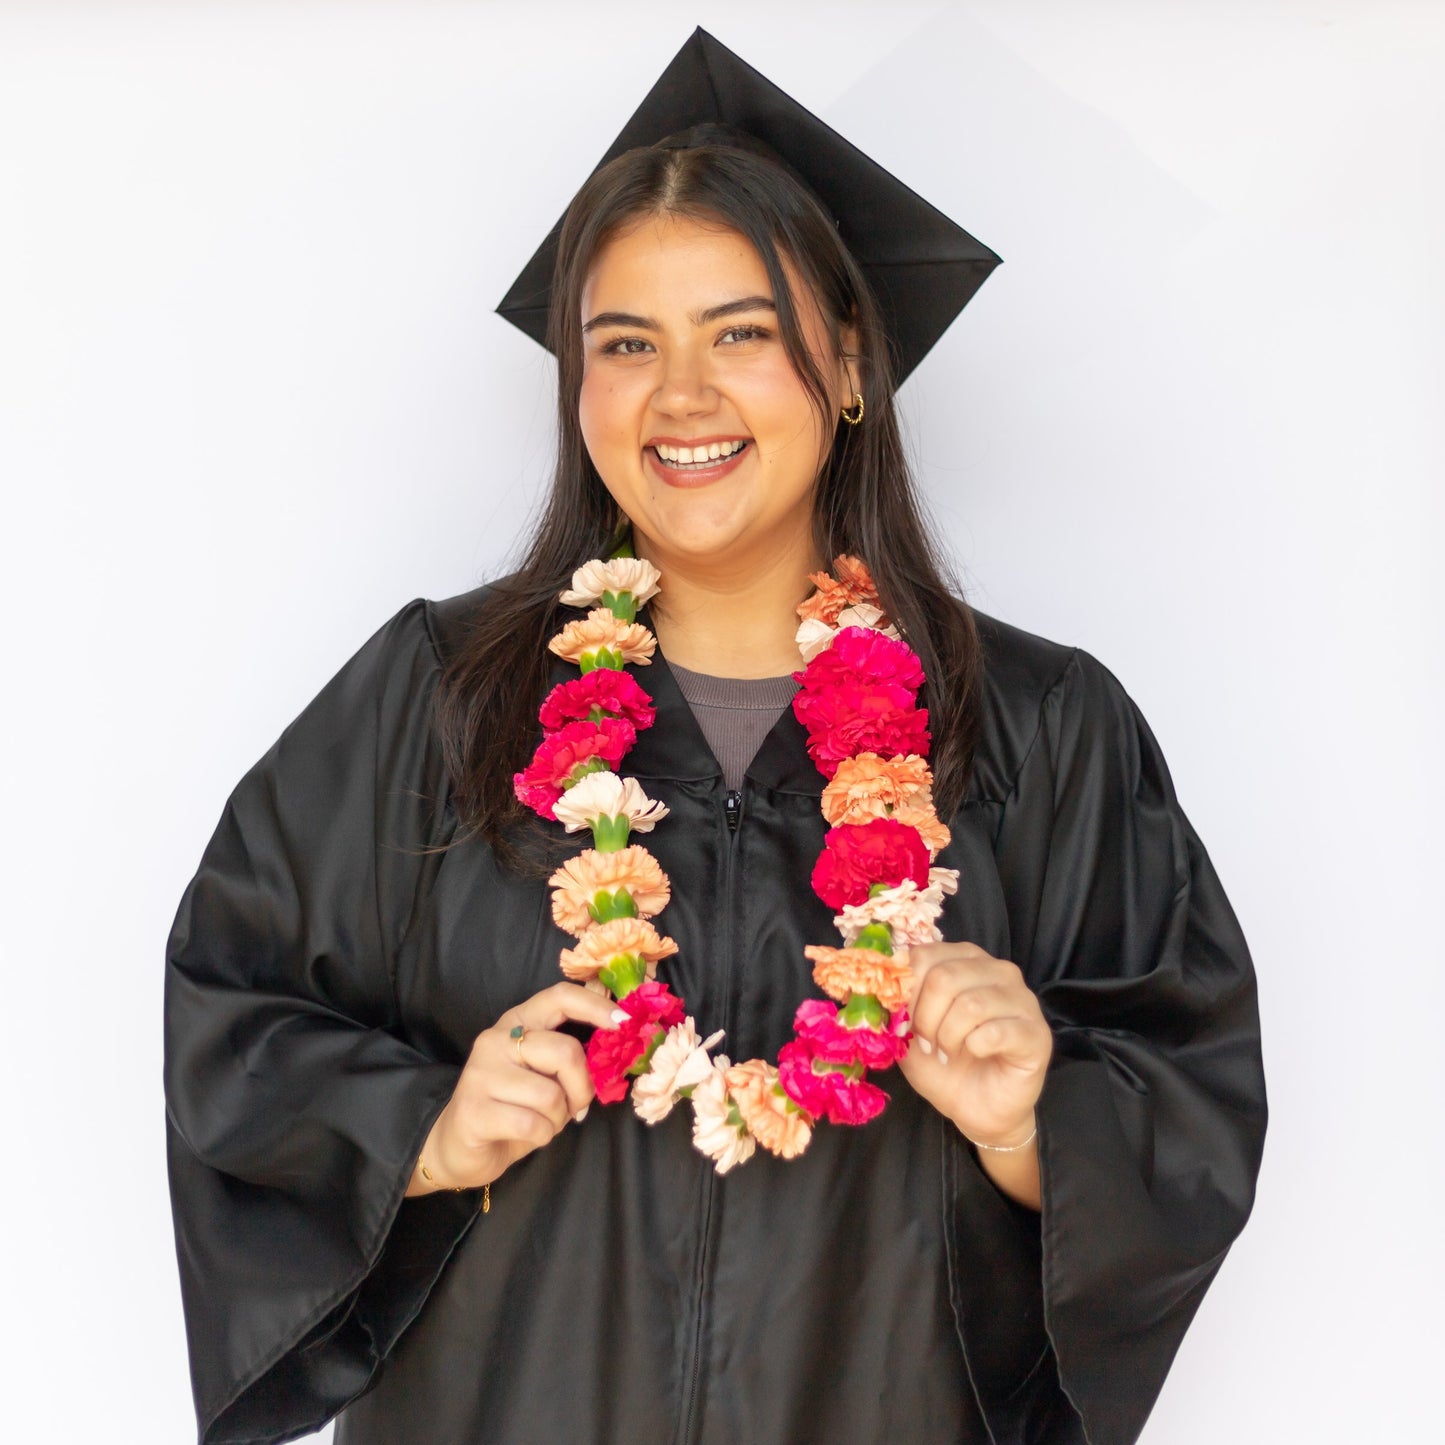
[{"x": 922, "y": 267}]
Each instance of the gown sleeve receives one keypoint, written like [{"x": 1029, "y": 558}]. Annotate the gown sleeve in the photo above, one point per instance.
[
  {"x": 1152, "y": 1119},
  {"x": 295, "y": 1110}
]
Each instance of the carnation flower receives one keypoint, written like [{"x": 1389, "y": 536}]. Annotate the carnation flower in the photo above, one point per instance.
[
  {"x": 825, "y": 1090},
  {"x": 579, "y": 880},
  {"x": 679, "y": 1062},
  {"x": 861, "y": 655},
  {"x": 842, "y": 972},
  {"x": 566, "y": 756},
  {"x": 854, "y": 584},
  {"x": 875, "y": 783},
  {"x": 602, "y": 631},
  {"x": 605, "y": 795},
  {"x": 768, "y": 1112},
  {"x": 604, "y": 688},
  {"x": 717, "y": 1127},
  {"x": 603, "y": 942},
  {"x": 908, "y": 911},
  {"x": 856, "y": 856},
  {"x": 819, "y": 1024},
  {"x": 618, "y": 574},
  {"x": 613, "y": 1053},
  {"x": 815, "y": 636},
  {"x": 854, "y": 718}
]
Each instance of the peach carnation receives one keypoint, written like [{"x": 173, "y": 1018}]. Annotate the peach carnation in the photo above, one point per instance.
[
  {"x": 679, "y": 1062},
  {"x": 578, "y": 881},
  {"x": 717, "y": 1127},
  {"x": 771, "y": 1117},
  {"x": 602, "y": 629},
  {"x": 605, "y": 795},
  {"x": 868, "y": 785},
  {"x": 840, "y": 972},
  {"x": 603, "y": 942},
  {"x": 618, "y": 574},
  {"x": 853, "y": 584}
]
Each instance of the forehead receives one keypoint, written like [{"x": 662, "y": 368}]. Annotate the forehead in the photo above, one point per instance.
[{"x": 659, "y": 261}]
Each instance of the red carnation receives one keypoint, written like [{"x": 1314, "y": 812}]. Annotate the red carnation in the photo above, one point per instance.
[
  {"x": 652, "y": 1009},
  {"x": 817, "y": 1024},
  {"x": 852, "y": 719},
  {"x": 561, "y": 754},
  {"x": 855, "y": 856},
  {"x": 861, "y": 654},
  {"x": 827, "y": 1093},
  {"x": 607, "y": 688}
]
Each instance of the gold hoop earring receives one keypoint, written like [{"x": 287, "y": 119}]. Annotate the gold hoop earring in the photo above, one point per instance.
[{"x": 854, "y": 414}]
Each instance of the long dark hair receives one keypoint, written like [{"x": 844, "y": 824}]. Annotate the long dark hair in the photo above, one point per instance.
[{"x": 866, "y": 504}]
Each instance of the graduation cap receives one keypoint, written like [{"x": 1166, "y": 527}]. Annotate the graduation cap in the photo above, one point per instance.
[{"x": 923, "y": 268}]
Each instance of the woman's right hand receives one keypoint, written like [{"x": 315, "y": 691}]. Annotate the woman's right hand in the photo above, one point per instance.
[{"x": 513, "y": 1099}]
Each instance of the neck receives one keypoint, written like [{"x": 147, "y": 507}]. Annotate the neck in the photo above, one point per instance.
[{"x": 731, "y": 620}]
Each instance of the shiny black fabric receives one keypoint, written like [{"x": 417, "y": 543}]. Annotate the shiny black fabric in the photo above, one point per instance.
[{"x": 331, "y": 964}]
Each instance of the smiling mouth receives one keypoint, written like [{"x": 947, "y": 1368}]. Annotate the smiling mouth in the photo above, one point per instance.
[{"x": 699, "y": 458}]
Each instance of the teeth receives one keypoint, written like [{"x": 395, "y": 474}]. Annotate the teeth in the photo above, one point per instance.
[{"x": 693, "y": 456}]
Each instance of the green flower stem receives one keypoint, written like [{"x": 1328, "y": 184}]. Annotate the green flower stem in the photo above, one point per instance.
[
  {"x": 582, "y": 770},
  {"x": 623, "y": 547},
  {"x": 608, "y": 904},
  {"x": 623, "y": 605},
  {"x": 877, "y": 936},
  {"x": 863, "y": 1011},
  {"x": 877, "y": 888},
  {"x": 644, "y": 1062},
  {"x": 600, "y": 657},
  {"x": 609, "y": 835},
  {"x": 624, "y": 972}
]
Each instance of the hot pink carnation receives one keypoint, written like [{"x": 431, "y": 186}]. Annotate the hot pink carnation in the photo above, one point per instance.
[
  {"x": 828, "y": 1094},
  {"x": 861, "y": 654},
  {"x": 855, "y": 856},
  {"x": 561, "y": 753},
  {"x": 852, "y": 718},
  {"x": 614, "y": 692},
  {"x": 652, "y": 1009},
  {"x": 817, "y": 1024}
]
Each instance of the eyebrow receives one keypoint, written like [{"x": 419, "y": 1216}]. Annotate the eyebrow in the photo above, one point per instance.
[{"x": 698, "y": 318}]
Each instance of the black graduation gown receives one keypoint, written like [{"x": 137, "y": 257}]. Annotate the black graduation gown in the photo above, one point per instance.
[{"x": 330, "y": 966}]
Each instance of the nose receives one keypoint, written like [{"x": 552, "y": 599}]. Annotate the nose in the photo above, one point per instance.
[{"x": 685, "y": 388}]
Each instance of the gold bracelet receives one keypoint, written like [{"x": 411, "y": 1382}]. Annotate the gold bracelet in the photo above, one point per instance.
[
  {"x": 456, "y": 1188},
  {"x": 1004, "y": 1148}
]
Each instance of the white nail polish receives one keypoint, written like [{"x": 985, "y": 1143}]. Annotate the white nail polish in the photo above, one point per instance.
[
  {"x": 943, "y": 1058},
  {"x": 620, "y": 1015},
  {"x": 923, "y": 1044},
  {"x": 581, "y": 1114}
]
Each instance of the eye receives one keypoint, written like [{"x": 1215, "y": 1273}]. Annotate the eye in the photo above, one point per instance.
[
  {"x": 625, "y": 346},
  {"x": 735, "y": 334}
]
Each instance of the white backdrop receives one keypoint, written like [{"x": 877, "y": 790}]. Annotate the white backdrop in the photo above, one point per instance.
[{"x": 253, "y": 398}]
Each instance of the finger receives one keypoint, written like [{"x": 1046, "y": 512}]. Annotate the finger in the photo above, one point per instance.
[
  {"x": 518, "y": 1129},
  {"x": 561, "y": 1057},
  {"x": 539, "y": 1092},
  {"x": 562, "y": 1003},
  {"x": 1021, "y": 1042},
  {"x": 966, "y": 1010}
]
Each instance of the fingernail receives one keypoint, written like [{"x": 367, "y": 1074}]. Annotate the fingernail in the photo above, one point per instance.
[
  {"x": 942, "y": 1058},
  {"x": 581, "y": 1114},
  {"x": 620, "y": 1015},
  {"x": 923, "y": 1043}
]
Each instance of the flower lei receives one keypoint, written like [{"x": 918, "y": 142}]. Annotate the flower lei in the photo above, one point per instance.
[{"x": 857, "y": 703}]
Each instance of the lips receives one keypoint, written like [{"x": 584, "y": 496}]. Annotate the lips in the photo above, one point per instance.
[{"x": 706, "y": 460}]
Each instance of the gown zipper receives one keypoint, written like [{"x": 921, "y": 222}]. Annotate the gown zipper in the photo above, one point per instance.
[{"x": 733, "y": 810}]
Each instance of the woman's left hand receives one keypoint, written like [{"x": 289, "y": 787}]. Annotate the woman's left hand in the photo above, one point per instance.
[{"x": 981, "y": 1045}]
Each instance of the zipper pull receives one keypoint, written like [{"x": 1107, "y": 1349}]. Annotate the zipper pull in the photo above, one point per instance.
[{"x": 733, "y": 802}]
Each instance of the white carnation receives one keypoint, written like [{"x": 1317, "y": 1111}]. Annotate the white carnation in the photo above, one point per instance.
[
  {"x": 622, "y": 574},
  {"x": 605, "y": 795}
]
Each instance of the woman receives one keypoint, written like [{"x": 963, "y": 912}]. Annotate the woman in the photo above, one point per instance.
[{"x": 395, "y": 1195}]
